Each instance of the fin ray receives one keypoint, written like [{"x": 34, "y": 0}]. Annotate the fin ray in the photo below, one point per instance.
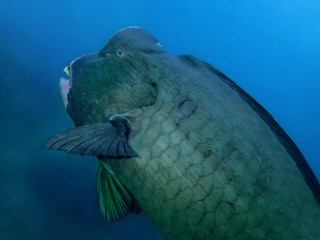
[
  {"x": 115, "y": 200},
  {"x": 102, "y": 139}
]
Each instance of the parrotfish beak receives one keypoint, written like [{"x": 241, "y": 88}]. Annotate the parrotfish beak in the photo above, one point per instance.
[
  {"x": 64, "y": 89},
  {"x": 67, "y": 70},
  {"x": 65, "y": 85}
]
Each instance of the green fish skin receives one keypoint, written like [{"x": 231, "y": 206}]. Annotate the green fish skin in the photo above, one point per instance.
[{"x": 180, "y": 141}]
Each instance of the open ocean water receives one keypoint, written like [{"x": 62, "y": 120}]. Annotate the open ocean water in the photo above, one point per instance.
[{"x": 271, "y": 48}]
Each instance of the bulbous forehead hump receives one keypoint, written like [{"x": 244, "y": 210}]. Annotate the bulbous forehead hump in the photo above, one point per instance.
[{"x": 133, "y": 38}]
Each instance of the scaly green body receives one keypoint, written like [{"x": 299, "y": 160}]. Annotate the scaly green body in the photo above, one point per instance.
[
  {"x": 218, "y": 173},
  {"x": 213, "y": 164}
]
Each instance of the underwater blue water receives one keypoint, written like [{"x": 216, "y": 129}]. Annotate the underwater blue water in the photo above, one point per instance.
[{"x": 270, "y": 48}]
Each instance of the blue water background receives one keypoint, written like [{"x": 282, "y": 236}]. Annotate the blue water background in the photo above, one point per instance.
[{"x": 269, "y": 47}]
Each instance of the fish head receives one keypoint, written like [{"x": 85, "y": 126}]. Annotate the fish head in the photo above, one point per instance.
[{"x": 117, "y": 79}]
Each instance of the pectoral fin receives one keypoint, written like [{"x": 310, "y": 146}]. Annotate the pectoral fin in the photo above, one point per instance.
[
  {"x": 102, "y": 139},
  {"x": 115, "y": 200}
]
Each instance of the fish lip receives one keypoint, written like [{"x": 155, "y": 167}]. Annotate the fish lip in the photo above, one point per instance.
[{"x": 64, "y": 90}]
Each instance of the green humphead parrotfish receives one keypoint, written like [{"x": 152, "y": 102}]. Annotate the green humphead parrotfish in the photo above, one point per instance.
[{"x": 180, "y": 141}]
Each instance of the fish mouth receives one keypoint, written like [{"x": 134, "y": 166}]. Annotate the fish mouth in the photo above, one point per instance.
[
  {"x": 64, "y": 89},
  {"x": 66, "y": 84}
]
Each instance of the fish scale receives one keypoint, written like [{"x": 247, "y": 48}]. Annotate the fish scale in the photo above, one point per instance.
[
  {"x": 220, "y": 194},
  {"x": 208, "y": 162}
]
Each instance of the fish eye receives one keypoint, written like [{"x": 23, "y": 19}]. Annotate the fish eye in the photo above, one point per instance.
[{"x": 121, "y": 52}]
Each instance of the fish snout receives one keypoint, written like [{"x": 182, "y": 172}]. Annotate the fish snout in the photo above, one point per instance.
[
  {"x": 81, "y": 64},
  {"x": 71, "y": 69}
]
